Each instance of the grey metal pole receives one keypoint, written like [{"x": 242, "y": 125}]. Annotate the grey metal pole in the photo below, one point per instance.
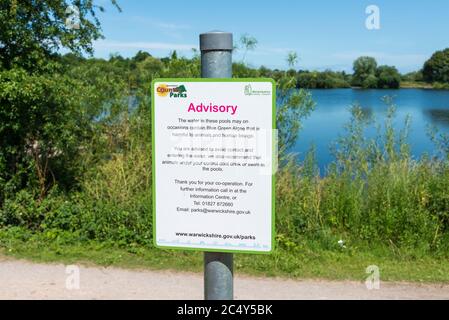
[{"x": 216, "y": 62}]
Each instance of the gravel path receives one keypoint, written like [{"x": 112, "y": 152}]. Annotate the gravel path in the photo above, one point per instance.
[{"x": 25, "y": 280}]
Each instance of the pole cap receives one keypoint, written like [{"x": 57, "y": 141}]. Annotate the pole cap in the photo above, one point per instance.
[{"x": 216, "y": 41}]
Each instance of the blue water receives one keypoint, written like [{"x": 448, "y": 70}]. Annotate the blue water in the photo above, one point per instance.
[{"x": 427, "y": 108}]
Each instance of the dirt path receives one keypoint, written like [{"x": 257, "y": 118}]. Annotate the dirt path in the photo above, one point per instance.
[{"x": 25, "y": 280}]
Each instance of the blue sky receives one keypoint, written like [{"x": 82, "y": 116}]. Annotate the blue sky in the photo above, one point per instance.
[{"x": 324, "y": 33}]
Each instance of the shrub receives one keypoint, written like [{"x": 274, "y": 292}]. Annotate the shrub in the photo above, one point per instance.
[
  {"x": 436, "y": 69},
  {"x": 388, "y": 77}
]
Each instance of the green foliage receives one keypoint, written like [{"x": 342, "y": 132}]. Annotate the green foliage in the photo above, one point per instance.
[
  {"x": 369, "y": 76},
  {"x": 46, "y": 112},
  {"x": 366, "y": 75},
  {"x": 75, "y": 146},
  {"x": 364, "y": 71},
  {"x": 370, "y": 82},
  {"x": 31, "y": 31},
  {"x": 117, "y": 193},
  {"x": 241, "y": 70},
  {"x": 416, "y": 76},
  {"x": 322, "y": 80},
  {"x": 440, "y": 86},
  {"x": 292, "y": 59},
  {"x": 374, "y": 192},
  {"x": 248, "y": 43},
  {"x": 293, "y": 106},
  {"x": 436, "y": 69},
  {"x": 39, "y": 125},
  {"x": 388, "y": 77},
  {"x": 115, "y": 199},
  {"x": 415, "y": 80}
]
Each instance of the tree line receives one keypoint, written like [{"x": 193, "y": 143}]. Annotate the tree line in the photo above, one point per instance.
[{"x": 75, "y": 145}]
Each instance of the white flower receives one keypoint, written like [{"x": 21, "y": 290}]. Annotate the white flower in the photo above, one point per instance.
[{"x": 341, "y": 243}]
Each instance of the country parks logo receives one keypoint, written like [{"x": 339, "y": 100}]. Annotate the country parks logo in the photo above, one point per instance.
[{"x": 171, "y": 91}]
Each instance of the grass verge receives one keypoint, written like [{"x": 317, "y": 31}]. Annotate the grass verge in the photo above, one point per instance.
[{"x": 314, "y": 263}]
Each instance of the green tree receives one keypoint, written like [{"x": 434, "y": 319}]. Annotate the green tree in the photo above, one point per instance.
[
  {"x": 141, "y": 56},
  {"x": 322, "y": 80},
  {"x": 370, "y": 82},
  {"x": 31, "y": 31},
  {"x": 181, "y": 68},
  {"x": 436, "y": 69},
  {"x": 147, "y": 70},
  {"x": 388, "y": 77},
  {"x": 364, "y": 72},
  {"x": 292, "y": 59},
  {"x": 264, "y": 72},
  {"x": 415, "y": 76},
  {"x": 290, "y": 114},
  {"x": 46, "y": 113},
  {"x": 241, "y": 70},
  {"x": 249, "y": 43},
  {"x": 293, "y": 106}
]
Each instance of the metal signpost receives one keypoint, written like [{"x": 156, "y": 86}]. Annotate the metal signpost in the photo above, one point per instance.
[
  {"x": 216, "y": 62},
  {"x": 213, "y": 164}
]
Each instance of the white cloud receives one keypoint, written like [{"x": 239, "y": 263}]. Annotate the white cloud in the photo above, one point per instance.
[
  {"x": 170, "y": 26},
  {"x": 159, "y": 24},
  {"x": 398, "y": 59},
  {"x": 167, "y": 28},
  {"x": 141, "y": 45},
  {"x": 270, "y": 51}
]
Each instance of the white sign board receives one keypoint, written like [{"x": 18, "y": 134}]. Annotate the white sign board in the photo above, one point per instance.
[{"x": 213, "y": 164}]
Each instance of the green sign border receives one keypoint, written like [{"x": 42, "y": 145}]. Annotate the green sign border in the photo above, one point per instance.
[{"x": 274, "y": 161}]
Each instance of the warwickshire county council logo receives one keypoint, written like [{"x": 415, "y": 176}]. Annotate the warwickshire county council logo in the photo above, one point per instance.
[
  {"x": 172, "y": 91},
  {"x": 249, "y": 91}
]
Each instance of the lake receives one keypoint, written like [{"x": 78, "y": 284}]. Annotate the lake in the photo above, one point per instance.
[{"x": 324, "y": 126}]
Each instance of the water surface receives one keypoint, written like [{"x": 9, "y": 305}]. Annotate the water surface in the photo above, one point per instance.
[{"x": 425, "y": 107}]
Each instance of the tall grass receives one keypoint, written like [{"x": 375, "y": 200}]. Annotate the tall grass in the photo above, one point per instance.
[{"x": 374, "y": 192}]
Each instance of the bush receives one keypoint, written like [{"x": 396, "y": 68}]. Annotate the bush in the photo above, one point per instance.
[
  {"x": 321, "y": 80},
  {"x": 436, "y": 69},
  {"x": 441, "y": 86},
  {"x": 364, "y": 68},
  {"x": 370, "y": 82},
  {"x": 374, "y": 192},
  {"x": 388, "y": 77}
]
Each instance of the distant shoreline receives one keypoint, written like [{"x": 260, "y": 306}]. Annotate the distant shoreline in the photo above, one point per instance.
[
  {"x": 405, "y": 85},
  {"x": 417, "y": 85}
]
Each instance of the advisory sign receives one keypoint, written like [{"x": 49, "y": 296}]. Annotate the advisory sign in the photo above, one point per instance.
[{"x": 213, "y": 164}]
